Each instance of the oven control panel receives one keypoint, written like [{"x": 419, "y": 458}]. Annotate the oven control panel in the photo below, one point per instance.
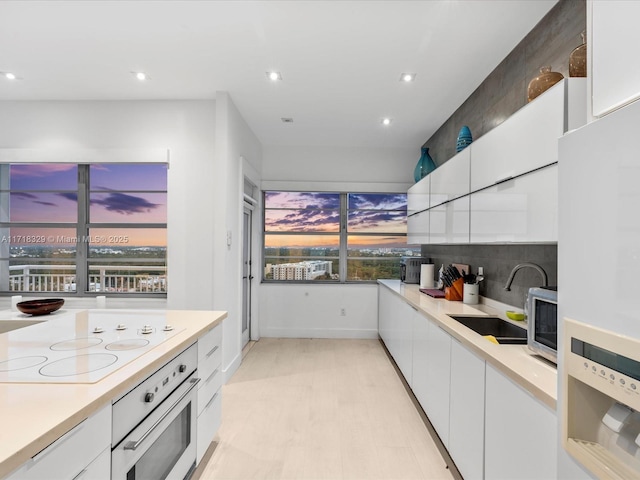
[{"x": 140, "y": 401}]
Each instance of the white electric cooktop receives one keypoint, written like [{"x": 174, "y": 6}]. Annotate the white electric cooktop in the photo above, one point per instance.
[{"x": 79, "y": 346}]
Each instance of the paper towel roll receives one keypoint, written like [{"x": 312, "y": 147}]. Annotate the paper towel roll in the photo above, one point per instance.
[{"x": 426, "y": 275}]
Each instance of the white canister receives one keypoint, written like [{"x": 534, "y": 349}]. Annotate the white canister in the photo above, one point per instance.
[
  {"x": 426, "y": 275},
  {"x": 470, "y": 293}
]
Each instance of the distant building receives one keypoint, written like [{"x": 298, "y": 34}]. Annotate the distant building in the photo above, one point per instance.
[{"x": 308, "y": 270}]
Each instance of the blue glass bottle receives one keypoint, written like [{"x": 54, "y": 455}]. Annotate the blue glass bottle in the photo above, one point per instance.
[{"x": 425, "y": 165}]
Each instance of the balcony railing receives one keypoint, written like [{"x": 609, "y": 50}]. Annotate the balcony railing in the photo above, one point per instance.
[{"x": 102, "y": 278}]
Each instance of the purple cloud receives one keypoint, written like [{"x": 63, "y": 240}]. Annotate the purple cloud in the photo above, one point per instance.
[
  {"x": 69, "y": 196},
  {"x": 46, "y": 204},
  {"x": 28, "y": 196},
  {"x": 125, "y": 204}
]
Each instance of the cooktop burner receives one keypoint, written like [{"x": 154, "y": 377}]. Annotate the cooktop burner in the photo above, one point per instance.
[{"x": 80, "y": 346}]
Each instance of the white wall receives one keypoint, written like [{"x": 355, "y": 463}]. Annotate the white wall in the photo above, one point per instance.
[
  {"x": 314, "y": 310},
  {"x": 185, "y": 127},
  {"x": 235, "y": 145}
]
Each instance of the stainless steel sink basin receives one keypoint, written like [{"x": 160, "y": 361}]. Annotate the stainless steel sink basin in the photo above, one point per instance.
[
  {"x": 503, "y": 331},
  {"x": 9, "y": 325}
]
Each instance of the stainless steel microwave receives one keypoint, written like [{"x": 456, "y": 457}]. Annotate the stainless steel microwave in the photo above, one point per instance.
[{"x": 542, "y": 317}]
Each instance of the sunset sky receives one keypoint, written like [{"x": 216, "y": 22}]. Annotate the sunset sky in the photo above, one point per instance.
[
  {"x": 320, "y": 213},
  {"x": 120, "y": 193}
]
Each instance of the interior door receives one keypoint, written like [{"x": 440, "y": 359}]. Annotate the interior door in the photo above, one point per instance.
[{"x": 246, "y": 274}]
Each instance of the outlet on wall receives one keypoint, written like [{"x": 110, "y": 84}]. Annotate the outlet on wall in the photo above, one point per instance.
[{"x": 343, "y": 312}]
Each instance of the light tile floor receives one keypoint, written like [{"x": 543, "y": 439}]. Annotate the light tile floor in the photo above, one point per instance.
[{"x": 320, "y": 409}]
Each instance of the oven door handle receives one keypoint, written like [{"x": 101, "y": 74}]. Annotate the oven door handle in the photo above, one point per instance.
[{"x": 133, "y": 445}]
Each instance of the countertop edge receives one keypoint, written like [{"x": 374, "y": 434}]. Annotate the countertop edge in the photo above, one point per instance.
[
  {"x": 105, "y": 390},
  {"x": 498, "y": 356}
]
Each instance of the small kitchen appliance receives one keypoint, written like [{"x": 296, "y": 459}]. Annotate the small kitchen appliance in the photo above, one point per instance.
[
  {"x": 601, "y": 400},
  {"x": 542, "y": 315},
  {"x": 410, "y": 268}
]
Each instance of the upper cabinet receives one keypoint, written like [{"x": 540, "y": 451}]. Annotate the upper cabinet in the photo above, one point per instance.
[
  {"x": 614, "y": 66},
  {"x": 525, "y": 141},
  {"x": 503, "y": 187},
  {"x": 450, "y": 180}
]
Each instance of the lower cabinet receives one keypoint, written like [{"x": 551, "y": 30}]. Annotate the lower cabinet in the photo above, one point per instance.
[
  {"x": 82, "y": 452},
  {"x": 438, "y": 380},
  {"x": 520, "y": 432},
  {"x": 395, "y": 328},
  {"x": 466, "y": 411},
  {"x": 209, "y": 389},
  {"x": 491, "y": 427}
]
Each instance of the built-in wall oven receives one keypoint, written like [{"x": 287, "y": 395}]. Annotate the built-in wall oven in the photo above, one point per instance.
[{"x": 154, "y": 425}]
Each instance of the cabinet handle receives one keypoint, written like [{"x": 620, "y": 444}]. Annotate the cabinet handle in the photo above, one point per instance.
[
  {"x": 212, "y": 351},
  {"x": 133, "y": 445},
  {"x": 80, "y": 475},
  {"x": 211, "y": 377},
  {"x": 210, "y": 402},
  {"x": 50, "y": 448},
  {"x": 504, "y": 179}
]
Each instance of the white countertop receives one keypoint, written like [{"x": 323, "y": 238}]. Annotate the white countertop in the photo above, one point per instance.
[
  {"x": 517, "y": 362},
  {"x": 33, "y": 415}
]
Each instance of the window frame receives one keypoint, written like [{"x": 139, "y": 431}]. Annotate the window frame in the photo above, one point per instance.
[
  {"x": 343, "y": 250},
  {"x": 83, "y": 226}
]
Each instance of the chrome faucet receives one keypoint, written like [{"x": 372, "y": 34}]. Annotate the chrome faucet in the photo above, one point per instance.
[{"x": 507, "y": 287}]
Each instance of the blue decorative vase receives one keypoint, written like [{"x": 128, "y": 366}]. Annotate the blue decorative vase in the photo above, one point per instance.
[
  {"x": 425, "y": 165},
  {"x": 464, "y": 139}
]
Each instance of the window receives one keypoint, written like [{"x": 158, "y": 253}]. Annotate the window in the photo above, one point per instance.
[
  {"x": 76, "y": 229},
  {"x": 334, "y": 237}
]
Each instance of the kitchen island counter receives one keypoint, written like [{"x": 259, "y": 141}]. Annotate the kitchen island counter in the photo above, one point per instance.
[
  {"x": 517, "y": 362},
  {"x": 33, "y": 415}
]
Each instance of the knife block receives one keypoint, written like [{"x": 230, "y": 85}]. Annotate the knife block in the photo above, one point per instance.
[{"x": 454, "y": 292}]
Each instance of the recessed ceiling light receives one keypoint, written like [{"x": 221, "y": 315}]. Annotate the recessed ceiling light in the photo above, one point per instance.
[
  {"x": 407, "y": 77},
  {"x": 386, "y": 121},
  {"x": 141, "y": 76},
  {"x": 10, "y": 76},
  {"x": 274, "y": 76},
  {"x": 287, "y": 120}
]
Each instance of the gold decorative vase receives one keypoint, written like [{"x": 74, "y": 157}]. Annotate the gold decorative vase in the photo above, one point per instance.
[
  {"x": 543, "y": 82},
  {"x": 578, "y": 60}
]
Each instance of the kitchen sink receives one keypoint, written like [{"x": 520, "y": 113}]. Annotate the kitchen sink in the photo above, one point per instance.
[
  {"x": 9, "y": 325},
  {"x": 503, "y": 331}
]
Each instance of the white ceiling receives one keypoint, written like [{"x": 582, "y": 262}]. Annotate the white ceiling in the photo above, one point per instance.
[{"x": 340, "y": 60}]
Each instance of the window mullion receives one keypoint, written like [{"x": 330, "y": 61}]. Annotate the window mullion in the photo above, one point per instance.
[
  {"x": 343, "y": 238},
  {"x": 82, "y": 231}
]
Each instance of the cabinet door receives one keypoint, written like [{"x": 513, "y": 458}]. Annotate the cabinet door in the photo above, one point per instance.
[
  {"x": 418, "y": 228},
  {"x": 438, "y": 378},
  {"x": 614, "y": 66},
  {"x": 69, "y": 456},
  {"x": 449, "y": 223},
  {"x": 418, "y": 196},
  {"x": 520, "y": 432},
  {"x": 420, "y": 384},
  {"x": 524, "y": 209},
  {"x": 525, "y": 141},
  {"x": 466, "y": 415},
  {"x": 394, "y": 325},
  {"x": 451, "y": 179}
]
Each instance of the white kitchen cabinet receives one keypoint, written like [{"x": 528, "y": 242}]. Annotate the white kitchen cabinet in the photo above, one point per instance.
[
  {"x": 449, "y": 222},
  {"x": 209, "y": 389},
  {"x": 520, "y": 432},
  {"x": 614, "y": 66},
  {"x": 525, "y": 141},
  {"x": 451, "y": 179},
  {"x": 418, "y": 228},
  {"x": 420, "y": 348},
  {"x": 418, "y": 196},
  {"x": 395, "y": 325},
  {"x": 524, "y": 209},
  {"x": 438, "y": 380},
  {"x": 74, "y": 454},
  {"x": 466, "y": 411}
]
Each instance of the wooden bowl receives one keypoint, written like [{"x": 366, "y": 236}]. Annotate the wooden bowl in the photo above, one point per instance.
[{"x": 40, "y": 307}]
